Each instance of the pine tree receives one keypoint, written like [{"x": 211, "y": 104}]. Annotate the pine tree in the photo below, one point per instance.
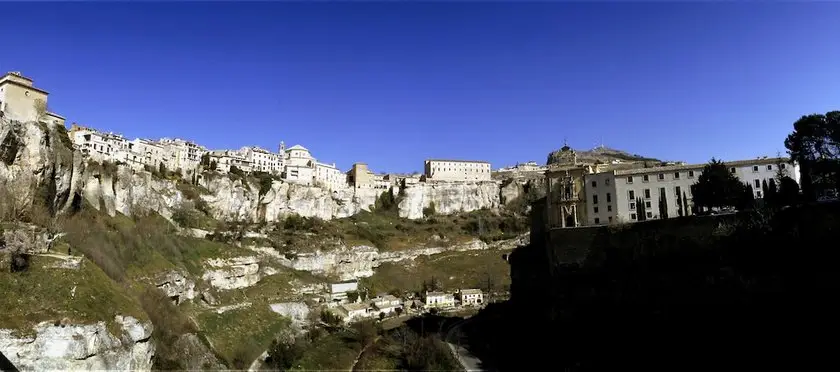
[
  {"x": 772, "y": 192},
  {"x": 663, "y": 205},
  {"x": 685, "y": 204},
  {"x": 765, "y": 190}
]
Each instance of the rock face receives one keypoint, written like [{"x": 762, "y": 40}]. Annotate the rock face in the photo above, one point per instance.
[
  {"x": 176, "y": 286},
  {"x": 297, "y": 311},
  {"x": 40, "y": 155},
  {"x": 449, "y": 198},
  {"x": 81, "y": 347},
  {"x": 232, "y": 273},
  {"x": 360, "y": 261}
]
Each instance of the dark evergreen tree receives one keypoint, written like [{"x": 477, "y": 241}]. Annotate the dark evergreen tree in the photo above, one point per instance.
[
  {"x": 764, "y": 189},
  {"x": 663, "y": 205},
  {"x": 686, "y": 210}
]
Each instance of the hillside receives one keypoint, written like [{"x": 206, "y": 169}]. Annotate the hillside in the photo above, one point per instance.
[{"x": 602, "y": 154}]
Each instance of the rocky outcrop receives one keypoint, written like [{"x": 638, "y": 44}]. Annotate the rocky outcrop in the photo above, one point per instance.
[
  {"x": 361, "y": 261},
  {"x": 232, "y": 273},
  {"x": 81, "y": 347},
  {"x": 40, "y": 156},
  {"x": 176, "y": 286},
  {"x": 298, "y": 312},
  {"x": 449, "y": 198}
]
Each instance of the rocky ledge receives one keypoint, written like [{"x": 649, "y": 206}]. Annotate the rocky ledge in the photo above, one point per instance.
[{"x": 81, "y": 347}]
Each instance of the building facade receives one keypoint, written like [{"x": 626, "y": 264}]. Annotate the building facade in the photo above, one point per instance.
[
  {"x": 182, "y": 154},
  {"x": 612, "y": 196},
  {"x": 300, "y": 166},
  {"x": 471, "y": 296},
  {"x": 21, "y": 101},
  {"x": 439, "y": 299},
  {"x": 456, "y": 170},
  {"x": 329, "y": 177},
  {"x": 565, "y": 193},
  {"x": 360, "y": 176},
  {"x": 262, "y": 160}
]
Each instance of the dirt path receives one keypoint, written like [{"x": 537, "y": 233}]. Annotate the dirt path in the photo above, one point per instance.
[{"x": 362, "y": 352}]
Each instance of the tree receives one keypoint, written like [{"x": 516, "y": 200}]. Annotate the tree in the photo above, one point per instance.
[
  {"x": 685, "y": 204},
  {"x": 162, "y": 169},
  {"x": 640, "y": 210},
  {"x": 663, "y": 205},
  {"x": 815, "y": 145},
  {"x": 788, "y": 192},
  {"x": 430, "y": 210},
  {"x": 381, "y": 316},
  {"x": 16, "y": 196},
  {"x": 772, "y": 192},
  {"x": 399, "y": 311},
  {"x": 717, "y": 187},
  {"x": 352, "y": 296},
  {"x": 205, "y": 159},
  {"x": 745, "y": 197},
  {"x": 213, "y": 165},
  {"x": 764, "y": 188}
]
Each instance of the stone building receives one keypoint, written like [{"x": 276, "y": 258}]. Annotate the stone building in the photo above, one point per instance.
[
  {"x": 182, "y": 154},
  {"x": 456, "y": 170},
  {"x": 21, "y": 101},
  {"x": 439, "y": 299},
  {"x": 225, "y": 159},
  {"x": 149, "y": 152},
  {"x": 565, "y": 194},
  {"x": 471, "y": 296},
  {"x": 360, "y": 176}
]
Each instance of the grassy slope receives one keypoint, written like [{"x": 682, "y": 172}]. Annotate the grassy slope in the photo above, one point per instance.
[
  {"x": 335, "y": 352},
  {"x": 44, "y": 294},
  {"x": 454, "y": 270},
  {"x": 241, "y": 335}
]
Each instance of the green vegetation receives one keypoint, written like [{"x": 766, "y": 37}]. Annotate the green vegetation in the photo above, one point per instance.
[
  {"x": 41, "y": 293},
  {"x": 391, "y": 233},
  {"x": 406, "y": 349},
  {"x": 195, "y": 212},
  {"x": 333, "y": 352},
  {"x": 717, "y": 187},
  {"x": 451, "y": 270},
  {"x": 815, "y": 145},
  {"x": 64, "y": 137},
  {"x": 240, "y": 335}
]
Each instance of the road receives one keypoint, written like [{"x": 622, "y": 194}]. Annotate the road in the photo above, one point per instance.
[{"x": 453, "y": 338}]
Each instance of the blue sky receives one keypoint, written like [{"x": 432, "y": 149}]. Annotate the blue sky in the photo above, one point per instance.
[{"x": 392, "y": 84}]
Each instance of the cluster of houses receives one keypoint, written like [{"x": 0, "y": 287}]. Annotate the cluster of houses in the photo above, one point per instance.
[
  {"x": 20, "y": 100},
  {"x": 348, "y": 302}
]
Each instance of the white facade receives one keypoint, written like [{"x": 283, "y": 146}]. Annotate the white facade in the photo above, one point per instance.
[
  {"x": 100, "y": 146},
  {"x": 21, "y": 101},
  {"x": 182, "y": 154},
  {"x": 456, "y": 170},
  {"x": 612, "y": 196},
  {"x": 225, "y": 159},
  {"x": 471, "y": 296},
  {"x": 386, "y": 304},
  {"x": 439, "y": 299},
  {"x": 300, "y": 166},
  {"x": 262, "y": 160},
  {"x": 329, "y": 177},
  {"x": 338, "y": 291},
  {"x": 353, "y": 312}
]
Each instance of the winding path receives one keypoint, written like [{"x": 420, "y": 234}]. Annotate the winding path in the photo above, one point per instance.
[{"x": 468, "y": 361}]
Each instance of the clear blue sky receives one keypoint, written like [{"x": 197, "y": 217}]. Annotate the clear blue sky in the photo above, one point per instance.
[{"x": 392, "y": 84}]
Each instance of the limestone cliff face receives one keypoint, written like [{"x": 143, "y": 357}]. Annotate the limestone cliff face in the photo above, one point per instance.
[
  {"x": 449, "y": 198},
  {"x": 40, "y": 155},
  {"x": 129, "y": 192},
  {"x": 81, "y": 347},
  {"x": 361, "y": 261}
]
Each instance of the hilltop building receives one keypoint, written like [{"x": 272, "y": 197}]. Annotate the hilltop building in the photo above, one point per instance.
[
  {"x": 360, "y": 176},
  {"x": 225, "y": 159},
  {"x": 21, "y": 101},
  {"x": 456, "y": 170},
  {"x": 262, "y": 160},
  {"x": 329, "y": 177},
  {"x": 182, "y": 154},
  {"x": 300, "y": 166}
]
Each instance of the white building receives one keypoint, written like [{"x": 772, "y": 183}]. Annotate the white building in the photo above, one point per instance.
[
  {"x": 612, "y": 196},
  {"x": 150, "y": 153},
  {"x": 355, "y": 311},
  {"x": 471, "y": 296},
  {"x": 439, "y": 299},
  {"x": 338, "y": 291},
  {"x": 385, "y": 304},
  {"x": 262, "y": 160},
  {"x": 225, "y": 159},
  {"x": 100, "y": 146},
  {"x": 456, "y": 170},
  {"x": 329, "y": 177},
  {"x": 300, "y": 166}
]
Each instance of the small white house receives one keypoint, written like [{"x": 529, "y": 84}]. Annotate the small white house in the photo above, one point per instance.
[
  {"x": 439, "y": 299},
  {"x": 338, "y": 291},
  {"x": 385, "y": 304},
  {"x": 471, "y": 296},
  {"x": 352, "y": 312}
]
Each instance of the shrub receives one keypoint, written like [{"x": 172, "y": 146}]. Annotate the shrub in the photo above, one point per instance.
[{"x": 430, "y": 210}]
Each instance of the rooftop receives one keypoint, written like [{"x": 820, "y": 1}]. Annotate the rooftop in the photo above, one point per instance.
[
  {"x": 674, "y": 168},
  {"x": 354, "y": 307},
  {"x": 459, "y": 161},
  {"x": 470, "y": 291},
  {"x": 297, "y": 147}
]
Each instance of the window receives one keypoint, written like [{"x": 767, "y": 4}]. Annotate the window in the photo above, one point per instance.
[
  {"x": 769, "y": 167},
  {"x": 632, "y": 216},
  {"x": 782, "y": 166},
  {"x": 630, "y": 179},
  {"x": 594, "y": 199},
  {"x": 594, "y": 184},
  {"x": 647, "y": 193},
  {"x": 631, "y": 195},
  {"x": 645, "y": 178},
  {"x": 676, "y": 175},
  {"x": 609, "y": 208},
  {"x": 661, "y": 176},
  {"x": 732, "y": 170},
  {"x": 595, "y": 209},
  {"x": 757, "y": 183},
  {"x": 610, "y": 219},
  {"x": 609, "y": 197},
  {"x": 650, "y": 214},
  {"x": 690, "y": 174},
  {"x": 632, "y": 205},
  {"x": 758, "y": 194},
  {"x": 597, "y": 221},
  {"x": 607, "y": 182},
  {"x": 677, "y": 191}
]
